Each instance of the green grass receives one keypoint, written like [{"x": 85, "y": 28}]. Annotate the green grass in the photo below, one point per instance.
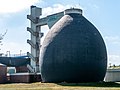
[{"x": 61, "y": 86}]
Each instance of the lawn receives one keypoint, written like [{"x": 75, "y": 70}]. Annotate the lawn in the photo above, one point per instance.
[{"x": 61, "y": 86}]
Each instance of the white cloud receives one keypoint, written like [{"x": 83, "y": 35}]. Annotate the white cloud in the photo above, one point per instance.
[
  {"x": 93, "y": 5},
  {"x": 114, "y": 59},
  {"x": 15, "y": 48},
  {"x": 58, "y": 8},
  {"x": 9, "y": 6},
  {"x": 96, "y": 6},
  {"x": 113, "y": 39}
]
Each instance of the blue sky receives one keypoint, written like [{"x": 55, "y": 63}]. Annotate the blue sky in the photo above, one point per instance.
[{"x": 104, "y": 14}]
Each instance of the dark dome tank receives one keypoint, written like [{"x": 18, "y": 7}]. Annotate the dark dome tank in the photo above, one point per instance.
[{"x": 73, "y": 51}]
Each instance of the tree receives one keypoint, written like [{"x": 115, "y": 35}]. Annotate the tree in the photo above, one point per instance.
[{"x": 1, "y": 38}]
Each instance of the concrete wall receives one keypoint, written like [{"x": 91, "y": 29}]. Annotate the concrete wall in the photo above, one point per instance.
[
  {"x": 24, "y": 78},
  {"x": 21, "y": 69},
  {"x": 112, "y": 75},
  {"x": 19, "y": 78}
]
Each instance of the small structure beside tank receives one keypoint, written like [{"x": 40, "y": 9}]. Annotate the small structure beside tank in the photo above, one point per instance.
[{"x": 112, "y": 74}]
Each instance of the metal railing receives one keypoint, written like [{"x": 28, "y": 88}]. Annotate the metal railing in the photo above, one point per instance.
[{"x": 13, "y": 55}]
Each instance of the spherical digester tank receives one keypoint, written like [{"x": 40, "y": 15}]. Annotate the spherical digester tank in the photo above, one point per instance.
[{"x": 73, "y": 51}]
